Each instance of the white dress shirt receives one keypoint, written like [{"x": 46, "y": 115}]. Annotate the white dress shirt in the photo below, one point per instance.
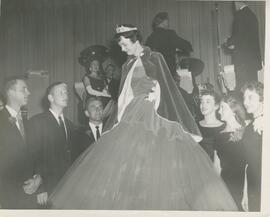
[{"x": 94, "y": 130}]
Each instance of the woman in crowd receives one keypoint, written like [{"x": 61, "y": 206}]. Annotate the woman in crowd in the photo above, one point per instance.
[
  {"x": 149, "y": 158},
  {"x": 210, "y": 125},
  {"x": 230, "y": 148},
  {"x": 252, "y": 140}
]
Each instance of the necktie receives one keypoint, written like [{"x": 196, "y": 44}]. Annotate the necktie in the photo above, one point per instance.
[
  {"x": 62, "y": 126},
  {"x": 20, "y": 123},
  {"x": 97, "y": 132}
]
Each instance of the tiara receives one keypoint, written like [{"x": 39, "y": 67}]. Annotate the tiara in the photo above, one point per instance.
[{"x": 121, "y": 29}]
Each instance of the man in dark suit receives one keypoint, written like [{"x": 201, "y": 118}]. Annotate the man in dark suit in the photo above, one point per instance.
[
  {"x": 90, "y": 133},
  {"x": 244, "y": 43},
  {"x": 166, "y": 41},
  {"x": 15, "y": 163},
  {"x": 50, "y": 135}
]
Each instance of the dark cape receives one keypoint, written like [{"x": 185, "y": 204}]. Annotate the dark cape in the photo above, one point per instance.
[{"x": 146, "y": 161}]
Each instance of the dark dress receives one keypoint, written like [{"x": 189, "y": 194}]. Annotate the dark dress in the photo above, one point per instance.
[
  {"x": 98, "y": 84},
  {"x": 144, "y": 162},
  {"x": 252, "y": 142},
  {"x": 232, "y": 165},
  {"x": 209, "y": 135}
]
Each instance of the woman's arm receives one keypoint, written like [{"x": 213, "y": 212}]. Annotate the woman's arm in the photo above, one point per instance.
[{"x": 91, "y": 91}]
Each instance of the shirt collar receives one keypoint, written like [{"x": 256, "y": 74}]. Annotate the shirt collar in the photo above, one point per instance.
[
  {"x": 11, "y": 111},
  {"x": 93, "y": 126},
  {"x": 56, "y": 116}
]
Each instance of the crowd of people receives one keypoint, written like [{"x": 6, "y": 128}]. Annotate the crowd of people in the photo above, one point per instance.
[{"x": 143, "y": 143}]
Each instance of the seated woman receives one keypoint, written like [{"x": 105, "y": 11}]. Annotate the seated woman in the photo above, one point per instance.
[
  {"x": 229, "y": 146},
  {"x": 95, "y": 83},
  {"x": 209, "y": 126},
  {"x": 94, "y": 80}
]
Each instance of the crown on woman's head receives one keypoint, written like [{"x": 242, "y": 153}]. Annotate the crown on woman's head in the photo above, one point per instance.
[{"x": 121, "y": 29}]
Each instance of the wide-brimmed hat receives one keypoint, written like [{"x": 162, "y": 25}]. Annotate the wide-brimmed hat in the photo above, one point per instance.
[{"x": 94, "y": 52}]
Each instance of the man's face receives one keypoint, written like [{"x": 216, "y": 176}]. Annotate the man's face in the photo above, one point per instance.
[
  {"x": 95, "y": 111},
  {"x": 59, "y": 96},
  {"x": 19, "y": 93},
  {"x": 252, "y": 101}
]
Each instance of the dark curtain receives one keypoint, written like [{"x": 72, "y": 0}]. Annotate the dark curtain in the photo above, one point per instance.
[{"x": 49, "y": 34}]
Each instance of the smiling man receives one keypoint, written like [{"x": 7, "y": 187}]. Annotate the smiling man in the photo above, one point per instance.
[{"x": 50, "y": 135}]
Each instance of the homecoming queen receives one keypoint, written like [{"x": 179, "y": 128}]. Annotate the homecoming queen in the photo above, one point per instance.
[{"x": 149, "y": 158}]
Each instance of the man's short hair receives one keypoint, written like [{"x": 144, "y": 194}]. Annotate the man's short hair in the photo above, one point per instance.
[
  {"x": 45, "y": 101},
  {"x": 159, "y": 18},
  {"x": 91, "y": 99},
  {"x": 10, "y": 82},
  {"x": 52, "y": 86},
  {"x": 254, "y": 86}
]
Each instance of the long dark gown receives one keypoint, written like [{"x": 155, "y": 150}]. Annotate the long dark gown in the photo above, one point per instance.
[
  {"x": 209, "y": 135},
  {"x": 232, "y": 165},
  {"x": 253, "y": 158},
  {"x": 144, "y": 162}
]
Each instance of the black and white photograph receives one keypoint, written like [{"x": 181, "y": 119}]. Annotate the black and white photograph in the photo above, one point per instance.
[{"x": 134, "y": 108}]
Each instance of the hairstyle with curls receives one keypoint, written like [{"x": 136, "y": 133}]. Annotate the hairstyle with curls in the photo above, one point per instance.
[
  {"x": 133, "y": 35},
  {"x": 237, "y": 107},
  {"x": 254, "y": 86},
  {"x": 211, "y": 93}
]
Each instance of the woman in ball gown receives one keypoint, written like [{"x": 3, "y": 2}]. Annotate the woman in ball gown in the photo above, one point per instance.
[
  {"x": 149, "y": 158},
  {"x": 230, "y": 148}
]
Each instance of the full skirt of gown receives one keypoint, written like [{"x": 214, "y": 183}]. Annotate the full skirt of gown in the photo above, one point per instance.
[{"x": 145, "y": 162}]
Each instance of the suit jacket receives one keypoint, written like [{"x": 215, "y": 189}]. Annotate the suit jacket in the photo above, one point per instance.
[
  {"x": 84, "y": 139},
  {"x": 51, "y": 151},
  {"x": 166, "y": 41},
  {"x": 245, "y": 38},
  {"x": 15, "y": 165}
]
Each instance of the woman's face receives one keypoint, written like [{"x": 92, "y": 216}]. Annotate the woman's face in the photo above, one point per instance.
[
  {"x": 208, "y": 105},
  {"x": 94, "y": 66},
  {"x": 127, "y": 46},
  {"x": 252, "y": 101},
  {"x": 225, "y": 111}
]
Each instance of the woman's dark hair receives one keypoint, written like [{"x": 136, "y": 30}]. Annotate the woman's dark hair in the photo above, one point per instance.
[
  {"x": 211, "y": 93},
  {"x": 133, "y": 35},
  {"x": 254, "y": 86},
  {"x": 237, "y": 107}
]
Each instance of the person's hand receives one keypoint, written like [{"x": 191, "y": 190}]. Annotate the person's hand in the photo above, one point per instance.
[
  {"x": 105, "y": 93},
  {"x": 258, "y": 125},
  {"x": 31, "y": 185},
  {"x": 42, "y": 198}
]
